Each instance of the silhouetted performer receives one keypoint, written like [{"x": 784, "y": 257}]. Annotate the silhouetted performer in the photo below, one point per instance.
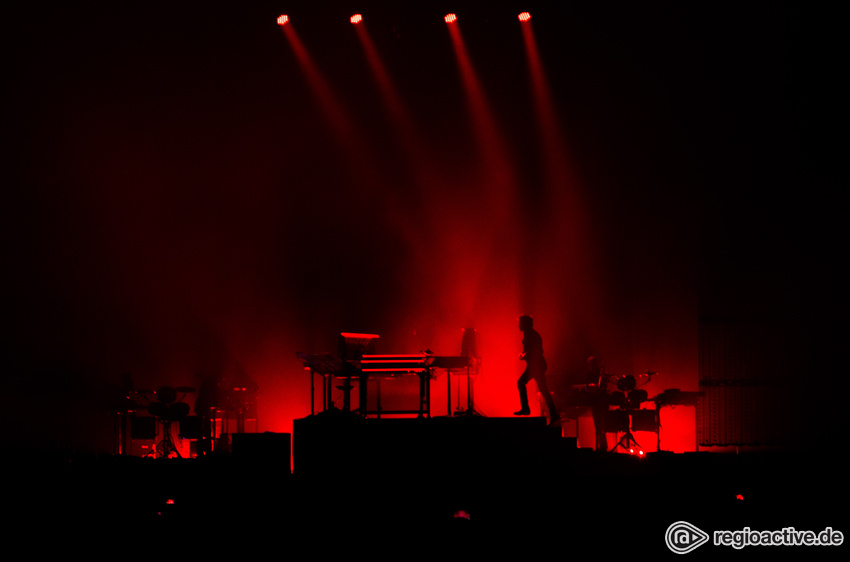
[
  {"x": 239, "y": 396},
  {"x": 597, "y": 379},
  {"x": 208, "y": 401},
  {"x": 535, "y": 368}
]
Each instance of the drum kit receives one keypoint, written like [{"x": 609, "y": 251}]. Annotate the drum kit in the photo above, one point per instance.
[
  {"x": 628, "y": 416},
  {"x": 621, "y": 408},
  {"x": 166, "y": 407}
]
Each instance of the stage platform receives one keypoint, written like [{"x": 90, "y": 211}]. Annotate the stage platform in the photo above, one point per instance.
[{"x": 470, "y": 478}]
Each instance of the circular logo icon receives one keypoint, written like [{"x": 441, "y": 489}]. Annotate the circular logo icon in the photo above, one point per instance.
[{"x": 682, "y": 537}]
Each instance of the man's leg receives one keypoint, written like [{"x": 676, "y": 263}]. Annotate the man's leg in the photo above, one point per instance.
[
  {"x": 524, "y": 410},
  {"x": 554, "y": 416}
]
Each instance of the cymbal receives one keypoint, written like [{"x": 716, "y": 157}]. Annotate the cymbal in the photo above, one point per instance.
[
  {"x": 166, "y": 394},
  {"x": 169, "y": 412}
]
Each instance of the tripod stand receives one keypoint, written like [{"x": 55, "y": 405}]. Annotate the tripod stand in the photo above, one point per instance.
[
  {"x": 470, "y": 401},
  {"x": 166, "y": 411},
  {"x": 629, "y": 403},
  {"x": 166, "y": 447},
  {"x": 627, "y": 442}
]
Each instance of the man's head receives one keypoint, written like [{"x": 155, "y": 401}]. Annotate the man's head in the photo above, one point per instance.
[{"x": 526, "y": 323}]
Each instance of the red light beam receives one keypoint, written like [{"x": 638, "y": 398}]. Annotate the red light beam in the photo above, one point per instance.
[
  {"x": 489, "y": 139},
  {"x": 399, "y": 115},
  {"x": 555, "y": 151},
  {"x": 336, "y": 116}
]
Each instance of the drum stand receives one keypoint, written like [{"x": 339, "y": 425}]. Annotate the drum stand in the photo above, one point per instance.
[
  {"x": 470, "y": 400},
  {"x": 165, "y": 447},
  {"x": 627, "y": 441}
]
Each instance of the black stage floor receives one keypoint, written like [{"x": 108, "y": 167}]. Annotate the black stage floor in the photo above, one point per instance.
[{"x": 471, "y": 483}]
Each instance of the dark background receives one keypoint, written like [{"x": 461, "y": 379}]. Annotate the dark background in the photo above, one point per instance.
[{"x": 175, "y": 201}]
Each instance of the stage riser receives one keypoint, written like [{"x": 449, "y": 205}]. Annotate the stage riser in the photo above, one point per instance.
[{"x": 390, "y": 447}]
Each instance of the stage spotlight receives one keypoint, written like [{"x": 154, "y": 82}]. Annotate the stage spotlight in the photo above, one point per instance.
[
  {"x": 525, "y": 16},
  {"x": 356, "y": 18},
  {"x": 282, "y": 20},
  {"x": 450, "y": 18}
]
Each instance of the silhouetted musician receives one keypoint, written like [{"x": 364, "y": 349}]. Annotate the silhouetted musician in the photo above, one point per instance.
[
  {"x": 597, "y": 380},
  {"x": 208, "y": 401},
  {"x": 535, "y": 368}
]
